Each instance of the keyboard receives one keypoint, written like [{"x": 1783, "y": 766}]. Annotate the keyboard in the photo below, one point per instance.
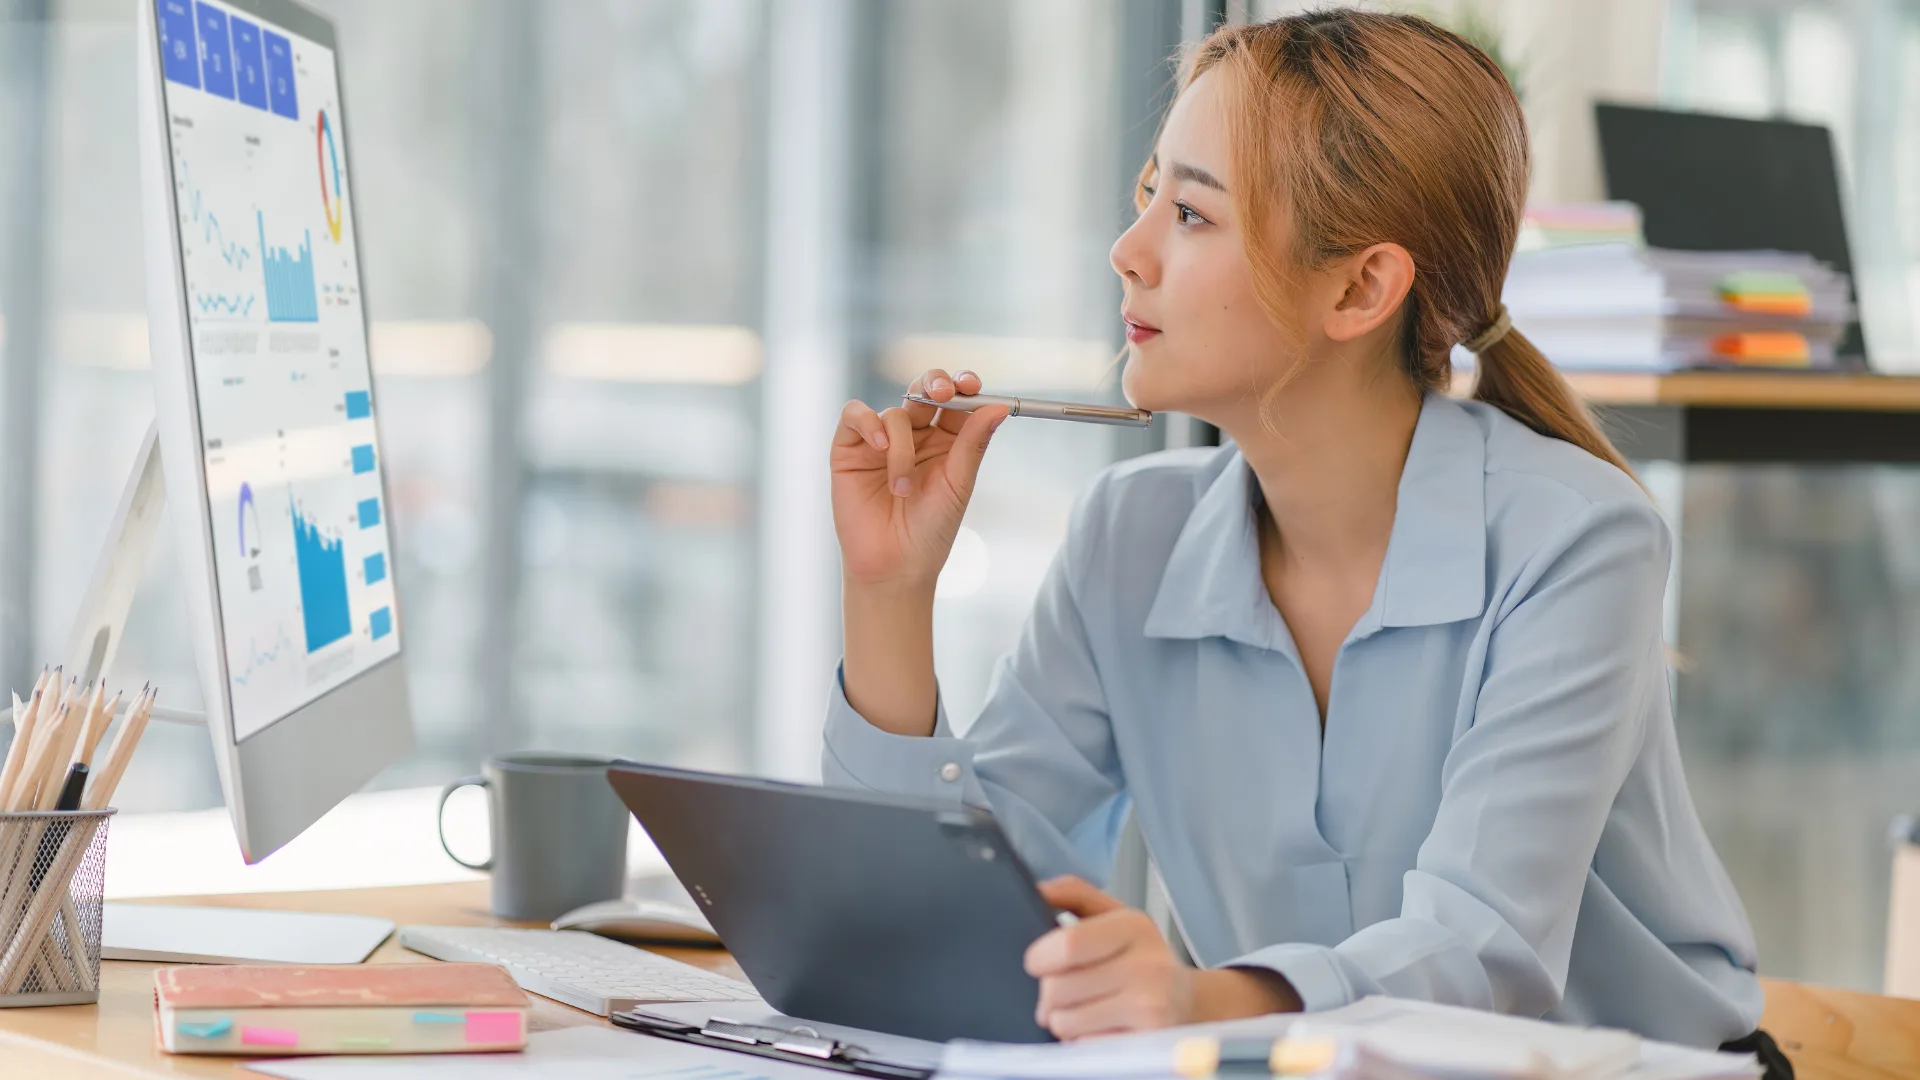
[{"x": 580, "y": 969}]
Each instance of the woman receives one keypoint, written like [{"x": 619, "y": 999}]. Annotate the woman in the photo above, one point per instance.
[{"x": 1383, "y": 681}]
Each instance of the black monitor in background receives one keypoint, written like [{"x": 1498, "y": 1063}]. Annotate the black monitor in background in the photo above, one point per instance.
[{"x": 1719, "y": 183}]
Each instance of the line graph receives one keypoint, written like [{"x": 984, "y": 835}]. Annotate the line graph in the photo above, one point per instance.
[
  {"x": 258, "y": 659},
  {"x": 238, "y": 305},
  {"x": 234, "y": 253}
]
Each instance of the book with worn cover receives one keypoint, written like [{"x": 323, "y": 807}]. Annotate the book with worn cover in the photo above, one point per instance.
[{"x": 262, "y": 1011}]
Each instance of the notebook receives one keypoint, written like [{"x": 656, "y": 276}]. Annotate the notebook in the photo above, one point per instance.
[{"x": 359, "y": 1009}]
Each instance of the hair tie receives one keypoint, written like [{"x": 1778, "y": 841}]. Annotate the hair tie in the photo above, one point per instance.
[{"x": 1495, "y": 330}]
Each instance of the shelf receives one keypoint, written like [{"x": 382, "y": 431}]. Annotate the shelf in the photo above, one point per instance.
[
  {"x": 1750, "y": 390},
  {"x": 1759, "y": 417}
]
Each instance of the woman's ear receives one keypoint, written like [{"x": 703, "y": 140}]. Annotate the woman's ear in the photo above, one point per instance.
[{"x": 1375, "y": 282}]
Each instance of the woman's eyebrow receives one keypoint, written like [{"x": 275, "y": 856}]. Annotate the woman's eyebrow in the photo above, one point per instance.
[{"x": 1183, "y": 171}]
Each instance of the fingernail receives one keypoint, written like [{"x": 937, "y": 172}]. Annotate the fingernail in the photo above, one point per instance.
[
  {"x": 901, "y": 485},
  {"x": 940, "y": 384},
  {"x": 879, "y": 440},
  {"x": 958, "y": 375}
]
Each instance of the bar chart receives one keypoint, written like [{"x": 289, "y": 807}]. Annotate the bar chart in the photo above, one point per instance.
[
  {"x": 291, "y": 295},
  {"x": 323, "y": 582}
]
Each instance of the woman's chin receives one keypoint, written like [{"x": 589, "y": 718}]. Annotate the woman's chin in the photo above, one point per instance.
[{"x": 1148, "y": 389}]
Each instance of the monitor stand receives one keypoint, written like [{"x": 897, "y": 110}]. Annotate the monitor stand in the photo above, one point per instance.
[{"x": 198, "y": 935}]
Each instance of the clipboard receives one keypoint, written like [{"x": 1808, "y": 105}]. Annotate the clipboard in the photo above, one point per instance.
[{"x": 795, "y": 1046}]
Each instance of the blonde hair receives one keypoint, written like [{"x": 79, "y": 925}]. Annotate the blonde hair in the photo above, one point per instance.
[{"x": 1372, "y": 127}]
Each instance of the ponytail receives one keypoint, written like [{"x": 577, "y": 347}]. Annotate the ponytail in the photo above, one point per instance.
[{"x": 1515, "y": 376}]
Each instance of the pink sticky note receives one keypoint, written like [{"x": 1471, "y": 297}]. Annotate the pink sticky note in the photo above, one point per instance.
[
  {"x": 253, "y": 1036},
  {"x": 493, "y": 1027}
]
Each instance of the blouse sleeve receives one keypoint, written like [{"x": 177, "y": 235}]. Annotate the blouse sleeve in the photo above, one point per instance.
[{"x": 1041, "y": 754}]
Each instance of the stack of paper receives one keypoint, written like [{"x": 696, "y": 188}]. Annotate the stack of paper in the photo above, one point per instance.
[
  {"x": 1620, "y": 306},
  {"x": 1568, "y": 224}
]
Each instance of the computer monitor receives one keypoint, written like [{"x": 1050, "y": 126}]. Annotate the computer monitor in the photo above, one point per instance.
[
  {"x": 1722, "y": 183},
  {"x": 267, "y": 416}
]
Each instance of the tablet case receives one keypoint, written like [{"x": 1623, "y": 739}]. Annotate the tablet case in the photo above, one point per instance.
[{"x": 873, "y": 911}]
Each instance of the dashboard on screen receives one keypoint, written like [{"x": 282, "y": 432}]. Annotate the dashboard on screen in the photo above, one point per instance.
[{"x": 283, "y": 385}]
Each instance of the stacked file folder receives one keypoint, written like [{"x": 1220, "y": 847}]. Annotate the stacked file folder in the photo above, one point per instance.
[{"x": 1596, "y": 299}]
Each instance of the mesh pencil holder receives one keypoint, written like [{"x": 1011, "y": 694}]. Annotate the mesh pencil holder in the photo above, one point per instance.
[{"x": 53, "y": 873}]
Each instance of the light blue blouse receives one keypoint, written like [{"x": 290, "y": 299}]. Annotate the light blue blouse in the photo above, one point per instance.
[{"x": 1496, "y": 814}]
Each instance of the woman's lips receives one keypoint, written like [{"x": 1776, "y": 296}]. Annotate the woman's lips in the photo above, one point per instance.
[{"x": 1138, "y": 332}]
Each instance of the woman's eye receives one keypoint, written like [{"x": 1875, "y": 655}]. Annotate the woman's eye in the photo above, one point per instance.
[
  {"x": 1146, "y": 192},
  {"x": 1188, "y": 215}
]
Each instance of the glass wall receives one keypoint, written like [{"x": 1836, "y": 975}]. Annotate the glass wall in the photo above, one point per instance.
[
  {"x": 1001, "y": 165},
  {"x": 1799, "y": 607},
  {"x": 636, "y": 584}
]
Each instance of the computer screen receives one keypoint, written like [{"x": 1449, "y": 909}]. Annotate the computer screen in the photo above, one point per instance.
[{"x": 302, "y": 552}]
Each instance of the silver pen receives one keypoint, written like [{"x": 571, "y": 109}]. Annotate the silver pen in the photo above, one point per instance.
[{"x": 1043, "y": 409}]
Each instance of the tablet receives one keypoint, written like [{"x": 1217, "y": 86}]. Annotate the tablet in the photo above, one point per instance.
[{"x": 872, "y": 911}]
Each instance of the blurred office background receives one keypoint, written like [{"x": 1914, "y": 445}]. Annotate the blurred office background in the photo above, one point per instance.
[{"x": 625, "y": 258}]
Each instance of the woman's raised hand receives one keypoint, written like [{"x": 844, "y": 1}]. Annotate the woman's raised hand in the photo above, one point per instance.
[{"x": 902, "y": 479}]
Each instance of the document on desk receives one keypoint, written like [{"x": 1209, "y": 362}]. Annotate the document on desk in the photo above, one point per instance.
[
  {"x": 1400, "y": 1038},
  {"x": 579, "y": 1053}
]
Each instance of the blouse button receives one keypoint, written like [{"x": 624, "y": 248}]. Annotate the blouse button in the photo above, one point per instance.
[{"x": 950, "y": 772}]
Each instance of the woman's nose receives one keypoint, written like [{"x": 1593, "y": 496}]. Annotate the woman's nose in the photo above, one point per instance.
[{"x": 1132, "y": 254}]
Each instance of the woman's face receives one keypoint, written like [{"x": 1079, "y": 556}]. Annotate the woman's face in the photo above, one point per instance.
[{"x": 1198, "y": 339}]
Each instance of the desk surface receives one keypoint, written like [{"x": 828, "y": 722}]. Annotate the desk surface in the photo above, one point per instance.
[{"x": 1831, "y": 1034}]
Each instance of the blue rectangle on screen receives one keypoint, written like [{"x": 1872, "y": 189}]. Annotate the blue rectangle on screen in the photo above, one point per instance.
[
  {"x": 369, "y": 514},
  {"x": 376, "y": 566},
  {"x": 216, "y": 54},
  {"x": 179, "y": 49},
  {"x": 359, "y": 405},
  {"x": 280, "y": 93},
  {"x": 249, "y": 70},
  {"x": 362, "y": 460},
  {"x": 381, "y": 622}
]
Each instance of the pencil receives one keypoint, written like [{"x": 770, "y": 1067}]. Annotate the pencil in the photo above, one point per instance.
[
  {"x": 26, "y": 786},
  {"x": 18, "y": 716},
  {"x": 24, "y": 721},
  {"x": 100, "y": 786},
  {"x": 26, "y": 777},
  {"x": 23, "y": 730},
  {"x": 90, "y": 739},
  {"x": 73, "y": 717}
]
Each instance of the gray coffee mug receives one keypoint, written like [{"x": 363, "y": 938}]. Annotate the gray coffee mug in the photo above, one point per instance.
[{"x": 559, "y": 833}]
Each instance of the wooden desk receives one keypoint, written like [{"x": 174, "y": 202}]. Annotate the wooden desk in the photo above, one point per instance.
[
  {"x": 1759, "y": 417},
  {"x": 1843, "y": 1034},
  {"x": 1831, "y": 1034}
]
